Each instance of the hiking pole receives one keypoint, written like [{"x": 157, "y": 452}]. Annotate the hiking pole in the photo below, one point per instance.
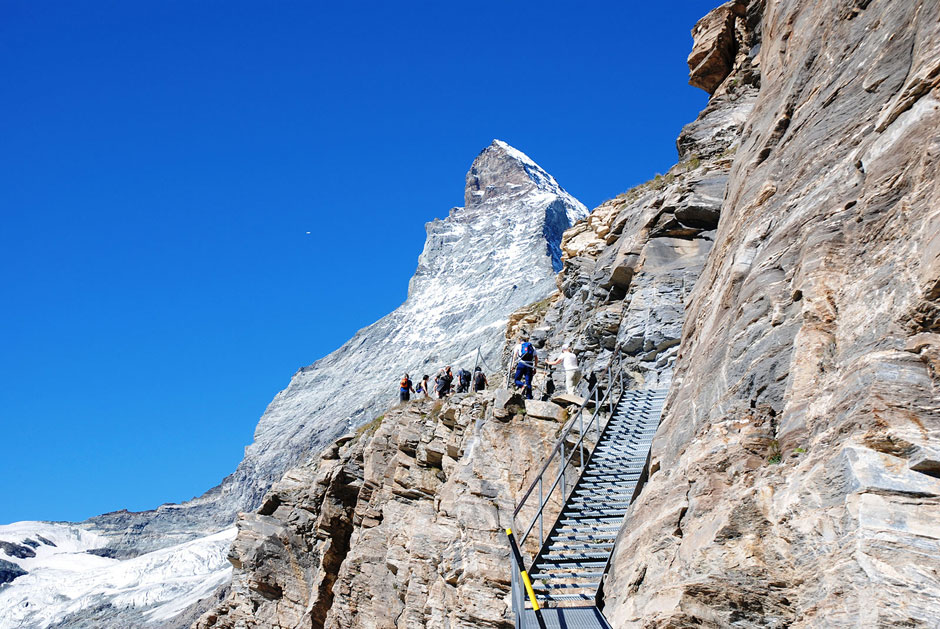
[{"x": 525, "y": 579}]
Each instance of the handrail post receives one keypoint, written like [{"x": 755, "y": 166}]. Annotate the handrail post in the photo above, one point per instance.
[
  {"x": 518, "y": 606},
  {"x": 527, "y": 582},
  {"x": 581, "y": 440},
  {"x": 597, "y": 411},
  {"x": 541, "y": 515}
]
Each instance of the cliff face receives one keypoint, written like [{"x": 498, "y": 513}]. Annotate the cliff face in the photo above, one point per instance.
[
  {"x": 795, "y": 474},
  {"x": 631, "y": 265},
  {"x": 398, "y": 526}
]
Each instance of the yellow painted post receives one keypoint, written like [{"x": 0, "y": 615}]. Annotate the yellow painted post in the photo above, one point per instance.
[{"x": 525, "y": 578}]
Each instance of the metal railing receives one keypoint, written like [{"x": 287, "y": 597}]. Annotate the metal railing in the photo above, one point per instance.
[{"x": 563, "y": 457}]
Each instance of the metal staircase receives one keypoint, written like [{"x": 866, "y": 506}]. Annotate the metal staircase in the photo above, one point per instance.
[{"x": 568, "y": 568}]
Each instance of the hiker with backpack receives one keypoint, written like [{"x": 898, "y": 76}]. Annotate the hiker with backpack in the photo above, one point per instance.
[
  {"x": 444, "y": 379},
  {"x": 526, "y": 362},
  {"x": 425, "y": 386},
  {"x": 463, "y": 380},
  {"x": 405, "y": 389},
  {"x": 479, "y": 380},
  {"x": 570, "y": 364}
]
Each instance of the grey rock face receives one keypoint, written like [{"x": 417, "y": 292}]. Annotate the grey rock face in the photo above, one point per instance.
[
  {"x": 21, "y": 551},
  {"x": 631, "y": 265},
  {"x": 789, "y": 484},
  {"x": 9, "y": 571},
  {"x": 400, "y": 527}
]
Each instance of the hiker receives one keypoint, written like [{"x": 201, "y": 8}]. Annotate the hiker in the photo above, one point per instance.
[
  {"x": 426, "y": 386},
  {"x": 479, "y": 380},
  {"x": 444, "y": 378},
  {"x": 570, "y": 364},
  {"x": 549, "y": 388},
  {"x": 592, "y": 385},
  {"x": 526, "y": 363},
  {"x": 405, "y": 389},
  {"x": 463, "y": 380}
]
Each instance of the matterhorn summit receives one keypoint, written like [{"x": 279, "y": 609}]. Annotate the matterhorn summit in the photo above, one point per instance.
[{"x": 485, "y": 260}]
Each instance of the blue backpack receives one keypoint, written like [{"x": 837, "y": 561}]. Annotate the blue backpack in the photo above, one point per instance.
[{"x": 526, "y": 352}]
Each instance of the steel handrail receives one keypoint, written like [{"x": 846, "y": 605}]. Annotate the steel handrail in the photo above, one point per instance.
[
  {"x": 564, "y": 467},
  {"x": 561, "y": 439}
]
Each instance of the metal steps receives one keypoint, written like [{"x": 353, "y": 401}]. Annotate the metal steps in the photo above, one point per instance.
[{"x": 569, "y": 567}]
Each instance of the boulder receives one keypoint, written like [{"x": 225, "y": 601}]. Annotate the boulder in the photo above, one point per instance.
[
  {"x": 505, "y": 403},
  {"x": 545, "y": 410},
  {"x": 568, "y": 399}
]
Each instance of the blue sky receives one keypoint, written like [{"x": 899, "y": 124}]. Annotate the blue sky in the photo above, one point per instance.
[{"x": 163, "y": 161}]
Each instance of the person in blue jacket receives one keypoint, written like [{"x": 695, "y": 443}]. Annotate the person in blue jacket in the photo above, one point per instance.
[{"x": 526, "y": 363}]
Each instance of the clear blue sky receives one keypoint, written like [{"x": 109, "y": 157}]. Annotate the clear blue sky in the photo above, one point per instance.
[{"x": 162, "y": 161}]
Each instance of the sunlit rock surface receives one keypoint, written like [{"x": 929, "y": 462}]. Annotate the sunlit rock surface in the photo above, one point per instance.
[
  {"x": 400, "y": 525},
  {"x": 795, "y": 472}
]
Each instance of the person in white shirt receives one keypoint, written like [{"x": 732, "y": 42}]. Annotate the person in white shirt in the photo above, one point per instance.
[{"x": 570, "y": 365}]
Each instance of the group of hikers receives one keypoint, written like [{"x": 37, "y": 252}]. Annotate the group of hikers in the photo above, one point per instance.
[
  {"x": 526, "y": 361},
  {"x": 444, "y": 381}
]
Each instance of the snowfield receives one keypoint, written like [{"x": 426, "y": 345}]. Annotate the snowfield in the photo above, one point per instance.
[{"x": 64, "y": 578}]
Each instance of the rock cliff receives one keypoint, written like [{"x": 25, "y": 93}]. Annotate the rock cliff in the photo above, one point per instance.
[
  {"x": 795, "y": 474},
  {"x": 398, "y": 525}
]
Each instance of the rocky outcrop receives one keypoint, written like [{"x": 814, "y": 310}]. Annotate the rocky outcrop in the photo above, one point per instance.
[
  {"x": 793, "y": 479},
  {"x": 398, "y": 525},
  {"x": 9, "y": 571}
]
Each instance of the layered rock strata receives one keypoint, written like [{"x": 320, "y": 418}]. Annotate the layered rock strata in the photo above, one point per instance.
[
  {"x": 398, "y": 525},
  {"x": 794, "y": 476}
]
